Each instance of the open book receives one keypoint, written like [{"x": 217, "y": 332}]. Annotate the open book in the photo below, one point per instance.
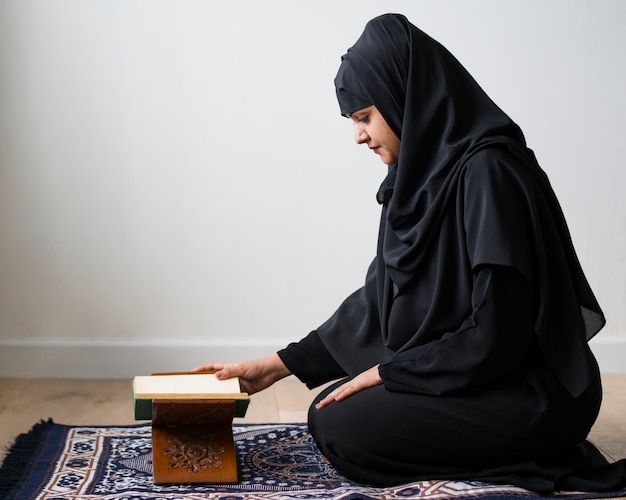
[{"x": 185, "y": 386}]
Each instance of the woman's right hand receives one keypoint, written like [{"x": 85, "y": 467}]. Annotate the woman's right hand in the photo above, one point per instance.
[{"x": 254, "y": 375}]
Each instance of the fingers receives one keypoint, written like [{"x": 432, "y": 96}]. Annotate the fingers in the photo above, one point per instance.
[
  {"x": 324, "y": 402},
  {"x": 339, "y": 394},
  {"x": 229, "y": 370},
  {"x": 221, "y": 370},
  {"x": 364, "y": 380},
  {"x": 208, "y": 368}
]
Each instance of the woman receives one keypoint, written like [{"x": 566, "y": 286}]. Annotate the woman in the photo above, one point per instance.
[{"x": 464, "y": 355}]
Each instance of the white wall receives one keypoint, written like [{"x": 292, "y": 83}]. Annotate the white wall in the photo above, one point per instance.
[{"x": 176, "y": 184}]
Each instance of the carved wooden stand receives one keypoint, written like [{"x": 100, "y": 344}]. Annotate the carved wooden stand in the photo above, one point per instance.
[{"x": 192, "y": 441}]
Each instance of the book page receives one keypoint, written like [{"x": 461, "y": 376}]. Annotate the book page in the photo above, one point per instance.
[{"x": 195, "y": 385}]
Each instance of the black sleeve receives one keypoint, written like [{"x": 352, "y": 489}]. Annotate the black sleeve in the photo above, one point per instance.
[
  {"x": 491, "y": 343},
  {"x": 310, "y": 361}
]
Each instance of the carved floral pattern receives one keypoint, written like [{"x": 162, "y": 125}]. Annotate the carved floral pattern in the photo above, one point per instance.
[{"x": 194, "y": 452}]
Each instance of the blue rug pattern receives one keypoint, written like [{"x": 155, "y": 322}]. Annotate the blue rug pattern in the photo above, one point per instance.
[{"x": 276, "y": 461}]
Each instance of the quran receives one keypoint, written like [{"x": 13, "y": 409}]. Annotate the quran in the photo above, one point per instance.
[
  {"x": 192, "y": 416},
  {"x": 185, "y": 386}
]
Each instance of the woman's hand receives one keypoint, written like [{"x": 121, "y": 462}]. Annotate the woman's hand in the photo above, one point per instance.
[
  {"x": 254, "y": 375},
  {"x": 368, "y": 378}
]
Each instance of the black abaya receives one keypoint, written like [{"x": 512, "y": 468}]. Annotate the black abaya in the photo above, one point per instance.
[{"x": 506, "y": 429}]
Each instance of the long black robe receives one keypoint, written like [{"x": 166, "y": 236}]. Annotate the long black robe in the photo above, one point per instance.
[{"x": 475, "y": 307}]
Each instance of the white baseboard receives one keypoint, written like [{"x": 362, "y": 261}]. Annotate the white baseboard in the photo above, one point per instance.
[{"x": 126, "y": 358}]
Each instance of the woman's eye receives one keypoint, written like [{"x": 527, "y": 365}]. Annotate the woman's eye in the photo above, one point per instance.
[{"x": 363, "y": 119}]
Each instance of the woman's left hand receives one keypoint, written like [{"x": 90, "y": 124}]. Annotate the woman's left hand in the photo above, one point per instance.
[{"x": 368, "y": 378}]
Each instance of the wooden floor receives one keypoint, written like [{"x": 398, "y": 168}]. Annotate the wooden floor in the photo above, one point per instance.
[{"x": 24, "y": 402}]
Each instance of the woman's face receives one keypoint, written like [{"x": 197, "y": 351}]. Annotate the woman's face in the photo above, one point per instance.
[{"x": 371, "y": 128}]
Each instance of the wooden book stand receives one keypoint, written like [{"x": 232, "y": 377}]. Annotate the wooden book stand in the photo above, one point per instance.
[
  {"x": 192, "y": 441},
  {"x": 192, "y": 425}
]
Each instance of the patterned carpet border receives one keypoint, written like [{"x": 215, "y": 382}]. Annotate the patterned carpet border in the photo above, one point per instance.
[{"x": 276, "y": 461}]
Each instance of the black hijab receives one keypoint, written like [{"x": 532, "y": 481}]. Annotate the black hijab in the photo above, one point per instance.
[{"x": 444, "y": 120}]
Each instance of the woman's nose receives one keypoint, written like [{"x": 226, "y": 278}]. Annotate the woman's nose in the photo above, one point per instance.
[{"x": 360, "y": 135}]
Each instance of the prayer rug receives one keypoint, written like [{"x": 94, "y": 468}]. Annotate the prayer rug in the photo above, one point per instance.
[{"x": 276, "y": 461}]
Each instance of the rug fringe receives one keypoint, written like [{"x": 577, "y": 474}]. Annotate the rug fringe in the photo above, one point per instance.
[{"x": 20, "y": 455}]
